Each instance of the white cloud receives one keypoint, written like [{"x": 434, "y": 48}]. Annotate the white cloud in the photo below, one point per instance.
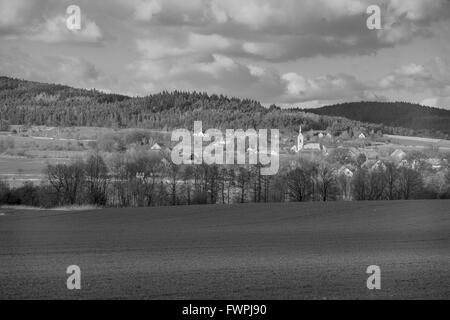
[
  {"x": 285, "y": 30},
  {"x": 10, "y": 12},
  {"x": 191, "y": 43},
  {"x": 415, "y": 10},
  {"x": 55, "y": 30},
  {"x": 300, "y": 88},
  {"x": 412, "y": 76},
  {"x": 45, "y": 21},
  {"x": 437, "y": 102},
  {"x": 215, "y": 68},
  {"x": 68, "y": 70},
  {"x": 254, "y": 14},
  {"x": 247, "y": 48},
  {"x": 145, "y": 10},
  {"x": 256, "y": 71}
]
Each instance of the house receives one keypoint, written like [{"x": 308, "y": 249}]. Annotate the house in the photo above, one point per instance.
[
  {"x": 354, "y": 152},
  {"x": 379, "y": 165},
  {"x": 345, "y": 171},
  {"x": 362, "y": 136},
  {"x": 368, "y": 164},
  {"x": 436, "y": 164},
  {"x": 403, "y": 163},
  {"x": 346, "y": 175},
  {"x": 398, "y": 155},
  {"x": 373, "y": 165},
  {"x": 156, "y": 147},
  {"x": 312, "y": 146},
  {"x": 371, "y": 154},
  {"x": 293, "y": 165},
  {"x": 321, "y": 135}
]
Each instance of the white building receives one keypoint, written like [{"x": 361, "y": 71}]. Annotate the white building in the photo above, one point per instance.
[
  {"x": 345, "y": 171},
  {"x": 156, "y": 147},
  {"x": 312, "y": 146},
  {"x": 398, "y": 155},
  {"x": 308, "y": 146},
  {"x": 300, "y": 140}
]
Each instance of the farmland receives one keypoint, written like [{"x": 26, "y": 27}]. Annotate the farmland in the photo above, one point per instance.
[
  {"x": 251, "y": 251},
  {"x": 419, "y": 142},
  {"x": 27, "y": 154}
]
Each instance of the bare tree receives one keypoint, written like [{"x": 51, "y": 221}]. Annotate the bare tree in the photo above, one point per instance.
[
  {"x": 4, "y": 189},
  {"x": 410, "y": 182},
  {"x": 298, "y": 183},
  {"x": 187, "y": 176},
  {"x": 376, "y": 184},
  {"x": 391, "y": 176},
  {"x": 359, "y": 183},
  {"x": 66, "y": 180},
  {"x": 325, "y": 180},
  {"x": 96, "y": 180},
  {"x": 242, "y": 181}
]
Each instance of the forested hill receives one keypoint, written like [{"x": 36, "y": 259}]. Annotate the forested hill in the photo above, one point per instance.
[
  {"x": 26, "y": 102},
  {"x": 32, "y": 103},
  {"x": 395, "y": 114}
]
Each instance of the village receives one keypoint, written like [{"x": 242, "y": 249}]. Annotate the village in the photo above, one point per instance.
[{"x": 28, "y": 152}]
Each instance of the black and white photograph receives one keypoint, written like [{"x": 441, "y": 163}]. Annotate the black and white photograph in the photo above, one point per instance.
[{"x": 205, "y": 151}]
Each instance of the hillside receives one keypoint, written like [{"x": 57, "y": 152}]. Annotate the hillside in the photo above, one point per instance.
[
  {"x": 32, "y": 103},
  {"x": 396, "y": 114}
]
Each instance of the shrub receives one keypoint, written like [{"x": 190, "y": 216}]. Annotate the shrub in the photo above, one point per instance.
[
  {"x": 4, "y": 125},
  {"x": 111, "y": 143}
]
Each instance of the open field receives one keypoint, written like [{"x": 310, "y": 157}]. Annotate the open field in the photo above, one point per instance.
[
  {"x": 18, "y": 170},
  {"x": 28, "y": 153},
  {"x": 419, "y": 142},
  {"x": 273, "y": 251}
]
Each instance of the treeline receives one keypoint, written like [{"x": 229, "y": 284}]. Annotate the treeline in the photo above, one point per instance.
[
  {"x": 30, "y": 103},
  {"x": 140, "y": 178},
  {"x": 424, "y": 120}
]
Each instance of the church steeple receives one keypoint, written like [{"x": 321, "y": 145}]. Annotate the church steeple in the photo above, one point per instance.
[{"x": 300, "y": 140}]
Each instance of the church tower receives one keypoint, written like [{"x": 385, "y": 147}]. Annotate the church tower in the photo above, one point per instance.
[{"x": 300, "y": 140}]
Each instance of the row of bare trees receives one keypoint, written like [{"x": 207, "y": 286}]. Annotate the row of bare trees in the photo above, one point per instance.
[
  {"x": 147, "y": 179},
  {"x": 391, "y": 183}
]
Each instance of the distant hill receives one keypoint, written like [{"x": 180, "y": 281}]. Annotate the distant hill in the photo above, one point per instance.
[
  {"x": 32, "y": 103},
  {"x": 395, "y": 114}
]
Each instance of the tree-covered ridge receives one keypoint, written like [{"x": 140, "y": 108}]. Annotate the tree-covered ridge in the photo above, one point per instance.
[
  {"x": 32, "y": 103},
  {"x": 393, "y": 114},
  {"x": 25, "y": 102}
]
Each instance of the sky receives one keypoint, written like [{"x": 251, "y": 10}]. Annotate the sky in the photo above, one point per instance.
[{"x": 294, "y": 53}]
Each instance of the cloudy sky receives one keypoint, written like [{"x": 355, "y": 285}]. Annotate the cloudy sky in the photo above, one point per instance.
[{"x": 302, "y": 53}]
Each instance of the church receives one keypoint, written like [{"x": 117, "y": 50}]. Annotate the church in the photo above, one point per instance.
[{"x": 301, "y": 146}]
